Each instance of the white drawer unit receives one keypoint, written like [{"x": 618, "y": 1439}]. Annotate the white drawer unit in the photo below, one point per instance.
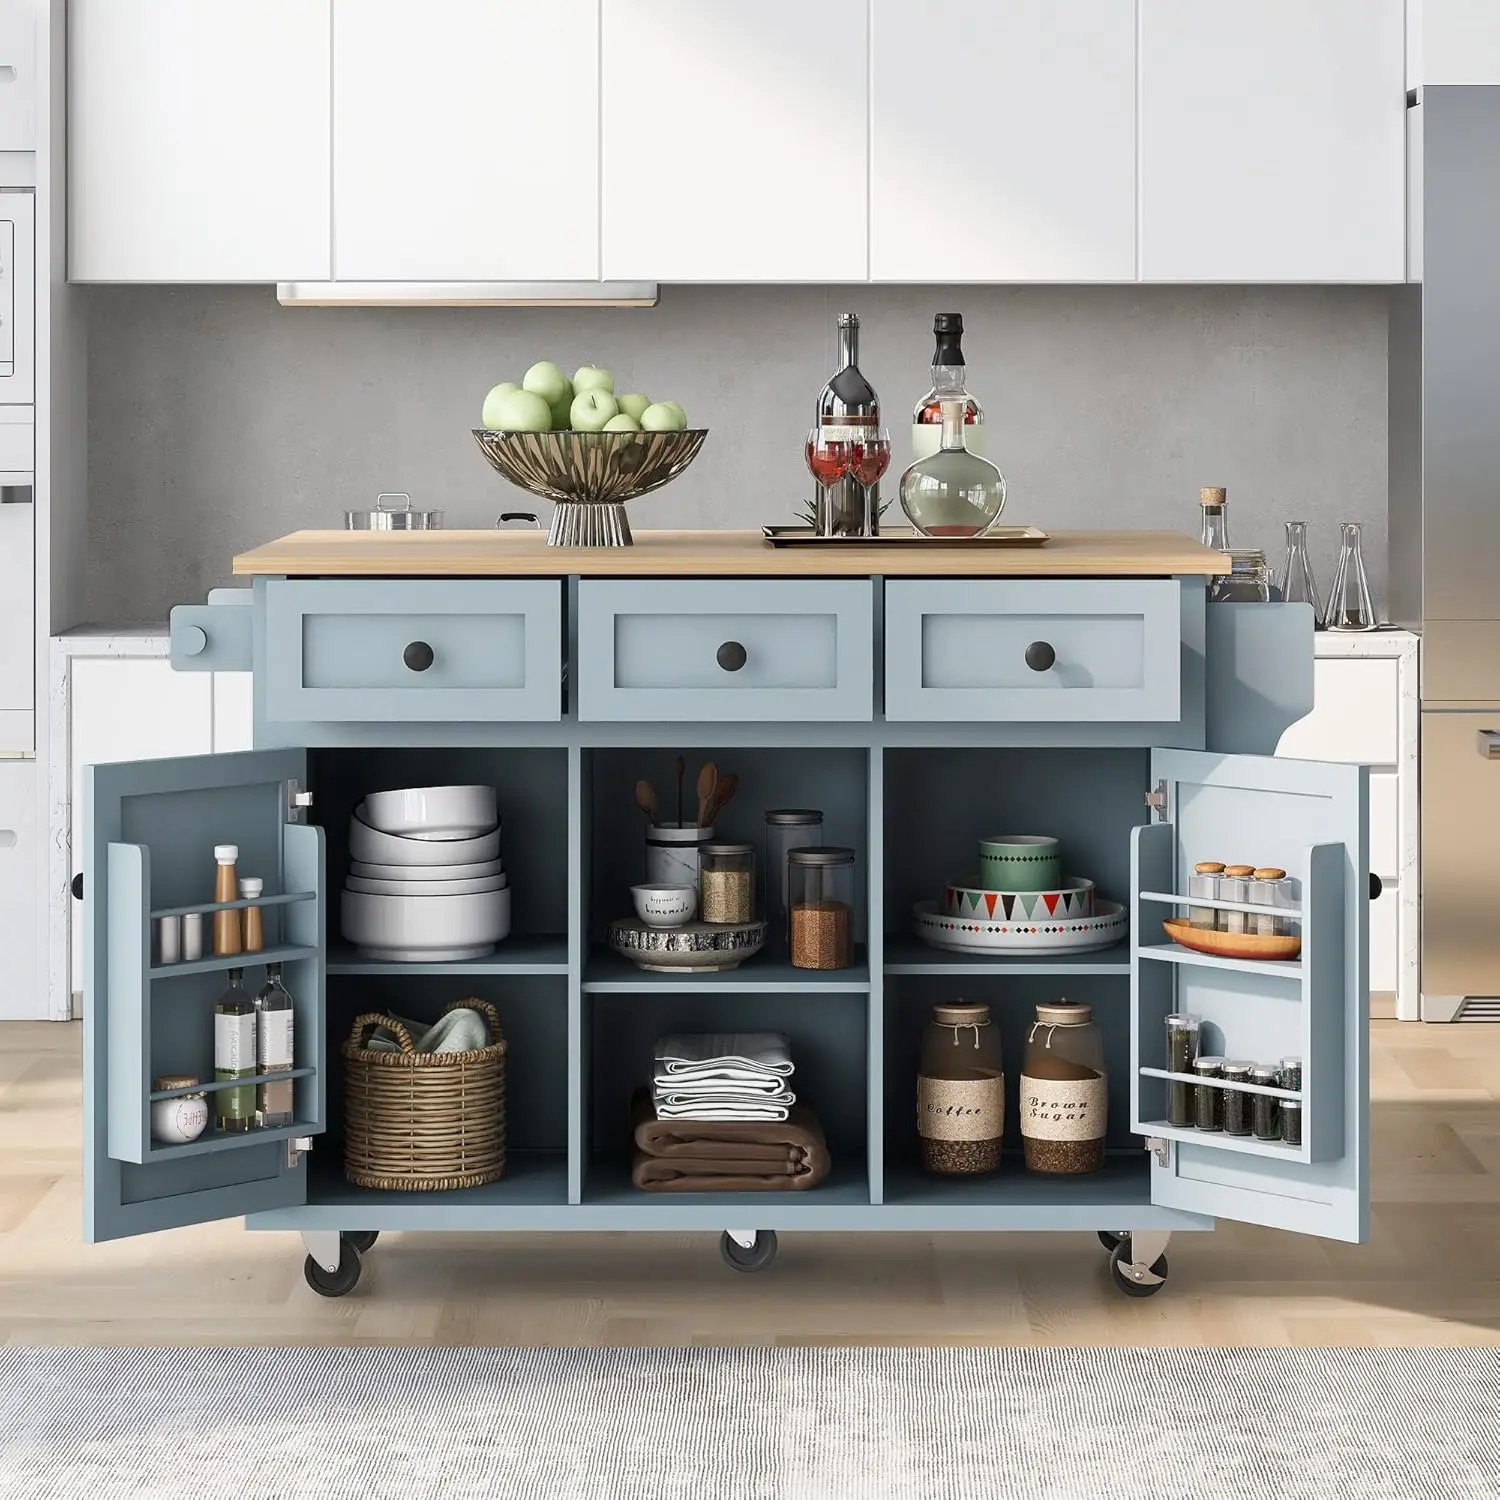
[
  {"x": 17, "y": 299},
  {"x": 21, "y": 898}
]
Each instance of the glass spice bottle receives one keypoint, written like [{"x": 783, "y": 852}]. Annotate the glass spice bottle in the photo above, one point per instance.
[
  {"x": 255, "y": 931},
  {"x": 1182, "y": 1051},
  {"x": 274, "y": 1049},
  {"x": 1064, "y": 1091},
  {"x": 1204, "y": 883},
  {"x": 960, "y": 1092},
  {"x": 1289, "y": 1074},
  {"x": 1236, "y": 1101},
  {"x": 1291, "y": 1122},
  {"x": 1214, "y": 500},
  {"x": 1265, "y": 1109},
  {"x": 226, "y": 888},
  {"x": 1235, "y": 886},
  {"x": 1267, "y": 888},
  {"x": 1208, "y": 1100},
  {"x": 234, "y": 1055}
]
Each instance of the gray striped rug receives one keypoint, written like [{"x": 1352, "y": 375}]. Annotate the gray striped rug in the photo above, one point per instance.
[{"x": 751, "y": 1424}]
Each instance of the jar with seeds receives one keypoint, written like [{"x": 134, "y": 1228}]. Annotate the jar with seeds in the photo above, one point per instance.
[
  {"x": 1265, "y": 1109},
  {"x": 1235, "y": 886},
  {"x": 821, "y": 889},
  {"x": 1291, "y": 1122},
  {"x": 960, "y": 1092},
  {"x": 1208, "y": 1098},
  {"x": 728, "y": 873},
  {"x": 1182, "y": 1049},
  {"x": 1236, "y": 1101},
  {"x": 1268, "y": 887},
  {"x": 1064, "y": 1091},
  {"x": 1204, "y": 883}
]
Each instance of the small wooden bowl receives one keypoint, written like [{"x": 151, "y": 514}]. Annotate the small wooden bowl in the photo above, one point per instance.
[{"x": 1231, "y": 944}]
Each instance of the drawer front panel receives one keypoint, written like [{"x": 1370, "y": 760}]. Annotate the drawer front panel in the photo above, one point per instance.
[
  {"x": 1046, "y": 651},
  {"x": 1385, "y": 825},
  {"x": 1384, "y": 946},
  {"x": 725, "y": 650},
  {"x": 412, "y": 650}
]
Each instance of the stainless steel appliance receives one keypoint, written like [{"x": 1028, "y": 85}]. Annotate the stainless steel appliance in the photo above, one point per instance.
[{"x": 1445, "y": 532}]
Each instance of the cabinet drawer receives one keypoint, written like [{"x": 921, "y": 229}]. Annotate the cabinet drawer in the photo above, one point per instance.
[
  {"x": 725, "y": 650},
  {"x": 1385, "y": 825},
  {"x": 1047, "y": 651},
  {"x": 1354, "y": 714},
  {"x": 1384, "y": 945},
  {"x": 413, "y": 650}
]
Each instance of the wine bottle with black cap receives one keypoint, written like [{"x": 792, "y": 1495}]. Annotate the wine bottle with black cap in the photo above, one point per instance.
[{"x": 948, "y": 384}]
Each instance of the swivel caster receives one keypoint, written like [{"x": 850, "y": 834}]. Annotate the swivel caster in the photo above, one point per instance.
[
  {"x": 363, "y": 1240},
  {"x": 1109, "y": 1239},
  {"x": 339, "y": 1282},
  {"x": 1132, "y": 1278},
  {"x": 755, "y": 1256}
]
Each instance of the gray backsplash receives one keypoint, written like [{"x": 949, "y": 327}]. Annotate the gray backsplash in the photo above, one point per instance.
[{"x": 218, "y": 420}]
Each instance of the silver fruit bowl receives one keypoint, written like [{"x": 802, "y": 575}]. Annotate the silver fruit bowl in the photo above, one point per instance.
[{"x": 590, "y": 475}]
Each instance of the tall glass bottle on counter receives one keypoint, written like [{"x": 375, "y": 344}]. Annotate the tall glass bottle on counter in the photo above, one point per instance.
[
  {"x": 234, "y": 1056},
  {"x": 949, "y": 383},
  {"x": 848, "y": 421},
  {"x": 1214, "y": 502},
  {"x": 1298, "y": 586},
  {"x": 274, "y": 1049},
  {"x": 1350, "y": 605}
]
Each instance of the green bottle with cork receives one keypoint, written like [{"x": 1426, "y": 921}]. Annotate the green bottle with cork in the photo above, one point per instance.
[{"x": 234, "y": 1056}]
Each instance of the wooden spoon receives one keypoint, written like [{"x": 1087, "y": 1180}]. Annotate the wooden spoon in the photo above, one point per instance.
[
  {"x": 645, "y": 799},
  {"x": 708, "y": 780},
  {"x": 727, "y": 787}
]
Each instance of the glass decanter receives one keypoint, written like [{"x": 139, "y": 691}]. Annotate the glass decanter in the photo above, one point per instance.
[
  {"x": 1350, "y": 606},
  {"x": 954, "y": 493},
  {"x": 1298, "y": 586}
]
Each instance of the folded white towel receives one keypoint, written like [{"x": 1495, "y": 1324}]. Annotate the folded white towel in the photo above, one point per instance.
[
  {"x": 721, "y": 1111},
  {"x": 756, "y": 1054}
]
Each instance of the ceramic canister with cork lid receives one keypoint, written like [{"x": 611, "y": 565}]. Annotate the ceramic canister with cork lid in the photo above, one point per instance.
[
  {"x": 1064, "y": 1091},
  {"x": 960, "y": 1091}
]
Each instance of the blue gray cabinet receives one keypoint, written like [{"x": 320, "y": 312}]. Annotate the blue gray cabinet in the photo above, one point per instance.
[{"x": 906, "y": 707}]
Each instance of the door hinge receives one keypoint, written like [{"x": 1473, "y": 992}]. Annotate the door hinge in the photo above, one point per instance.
[
  {"x": 1159, "y": 802},
  {"x": 1161, "y": 1149},
  {"x": 297, "y": 1148},
  {"x": 297, "y": 801}
]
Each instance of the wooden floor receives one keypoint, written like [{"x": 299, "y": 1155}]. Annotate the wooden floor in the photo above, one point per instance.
[{"x": 1430, "y": 1274}]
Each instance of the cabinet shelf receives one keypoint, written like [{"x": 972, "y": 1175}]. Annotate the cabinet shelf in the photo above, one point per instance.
[
  {"x": 907, "y": 956},
  {"x": 212, "y": 1086},
  {"x": 1219, "y": 1083},
  {"x": 546, "y": 954},
  {"x": 608, "y": 1184},
  {"x": 212, "y": 906},
  {"x": 1123, "y": 1179},
  {"x": 1175, "y": 953},
  {"x": 609, "y": 974},
  {"x": 1216, "y": 1140},
  {"x": 214, "y": 1140},
  {"x": 280, "y": 953}
]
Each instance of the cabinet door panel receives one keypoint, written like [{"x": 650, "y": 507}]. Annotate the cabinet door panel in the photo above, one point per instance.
[
  {"x": 198, "y": 141},
  {"x": 466, "y": 140},
  {"x": 1272, "y": 141},
  {"x": 1020, "y": 145},
  {"x": 735, "y": 144}
]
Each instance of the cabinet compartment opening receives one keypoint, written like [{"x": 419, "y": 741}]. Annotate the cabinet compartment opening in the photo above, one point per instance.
[{"x": 828, "y": 1036}]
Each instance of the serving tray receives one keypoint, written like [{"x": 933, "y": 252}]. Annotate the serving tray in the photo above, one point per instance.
[
  {"x": 904, "y": 536},
  {"x": 1107, "y": 926}
]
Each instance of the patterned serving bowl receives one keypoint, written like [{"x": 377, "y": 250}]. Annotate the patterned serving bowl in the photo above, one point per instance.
[
  {"x": 704, "y": 947},
  {"x": 1110, "y": 924},
  {"x": 1075, "y": 898},
  {"x": 590, "y": 475}
]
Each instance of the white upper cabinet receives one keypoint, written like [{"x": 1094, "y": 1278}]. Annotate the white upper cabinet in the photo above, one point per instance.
[
  {"x": 1003, "y": 143},
  {"x": 198, "y": 140},
  {"x": 466, "y": 140},
  {"x": 1453, "y": 41},
  {"x": 1272, "y": 140},
  {"x": 18, "y": 66},
  {"x": 735, "y": 140}
]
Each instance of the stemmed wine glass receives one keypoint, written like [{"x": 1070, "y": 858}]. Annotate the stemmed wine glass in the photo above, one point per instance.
[{"x": 862, "y": 454}]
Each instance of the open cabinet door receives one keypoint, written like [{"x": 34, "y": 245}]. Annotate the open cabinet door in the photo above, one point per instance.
[
  {"x": 1309, "y": 818},
  {"x": 150, "y": 831}
]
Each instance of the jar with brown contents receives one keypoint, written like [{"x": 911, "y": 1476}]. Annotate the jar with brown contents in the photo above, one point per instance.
[
  {"x": 1064, "y": 1091},
  {"x": 728, "y": 874},
  {"x": 960, "y": 1092},
  {"x": 821, "y": 887}
]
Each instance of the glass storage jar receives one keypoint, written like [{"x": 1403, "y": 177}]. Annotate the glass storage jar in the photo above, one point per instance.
[
  {"x": 960, "y": 1091},
  {"x": 1248, "y": 582},
  {"x": 1268, "y": 887},
  {"x": 1265, "y": 1109},
  {"x": 728, "y": 893},
  {"x": 1291, "y": 1122},
  {"x": 1235, "y": 886},
  {"x": 1204, "y": 883},
  {"x": 1236, "y": 1101},
  {"x": 1182, "y": 1051},
  {"x": 820, "y": 884},
  {"x": 1208, "y": 1099},
  {"x": 787, "y": 828},
  {"x": 1064, "y": 1091}
]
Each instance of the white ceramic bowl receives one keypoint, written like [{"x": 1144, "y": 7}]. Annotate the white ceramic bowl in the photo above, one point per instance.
[
  {"x": 433, "y": 812},
  {"x": 418, "y": 929},
  {"x": 427, "y": 887},
  {"x": 665, "y": 905},
  {"x": 370, "y": 846},
  {"x": 482, "y": 870}
]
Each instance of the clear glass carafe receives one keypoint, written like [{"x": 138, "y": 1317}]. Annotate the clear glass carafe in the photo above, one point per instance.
[
  {"x": 1298, "y": 586},
  {"x": 955, "y": 493},
  {"x": 1350, "y": 606}
]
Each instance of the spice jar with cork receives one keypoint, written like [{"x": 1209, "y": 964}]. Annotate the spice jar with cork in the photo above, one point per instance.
[
  {"x": 960, "y": 1092},
  {"x": 821, "y": 885},
  {"x": 1204, "y": 883},
  {"x": 1064, "y": 1091}
]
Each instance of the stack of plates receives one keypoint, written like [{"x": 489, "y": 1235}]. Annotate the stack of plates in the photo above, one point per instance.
[
  {"x": 426, "y": 883},
  {"x": 1068, "y": 918}
]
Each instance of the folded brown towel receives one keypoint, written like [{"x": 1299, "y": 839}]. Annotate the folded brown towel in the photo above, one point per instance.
[{"x": 726, "y": 1156}]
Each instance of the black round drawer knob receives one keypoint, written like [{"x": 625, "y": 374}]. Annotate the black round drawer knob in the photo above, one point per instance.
[
  {"x": 418, "y": 656},
  {"x": 1377, "y": 885},
  {"x": 78, "y": 886},
  {"x": 1040, "y": 657},
  {"x": 731, "y": 656}
]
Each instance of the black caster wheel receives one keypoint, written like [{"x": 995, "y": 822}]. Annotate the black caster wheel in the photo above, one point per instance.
[
  {"x": 756, "y": 1258},
  {"x": 363, "y": 1240},
  {"x": 1109, "y": 1239},
  {"x": 337, "y": 1283},
  {"x": 1145, "y": 1283}
]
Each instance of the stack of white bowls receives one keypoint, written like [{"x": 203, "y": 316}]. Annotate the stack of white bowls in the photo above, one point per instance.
[{"x": 426, "y": 882}]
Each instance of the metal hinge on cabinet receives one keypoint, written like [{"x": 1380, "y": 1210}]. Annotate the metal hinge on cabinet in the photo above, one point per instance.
[
  {"x": 297, "y": 802},
  {"x": 297, "y": 1148},
  {"x": 1161, "y": 1149},
  {"x": 1159, "y": 802}
]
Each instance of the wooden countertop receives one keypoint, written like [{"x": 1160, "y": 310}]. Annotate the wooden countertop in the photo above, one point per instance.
[{"x": 458, "y": 554}]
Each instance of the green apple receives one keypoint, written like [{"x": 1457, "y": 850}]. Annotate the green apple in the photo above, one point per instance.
[
  {"x": 592, "y": 378},
  {"x": 678, "y": 409},
  {"x": 518, "y": 411},
  {"x": 491, "y": 404},
  {"x": 633, "y": 405},
  {"x": 547, "y": 381},
  {"x": 592, "y": 409},
  {"x": 561, "y": 413},
  {"x": 622, "y": 423},
  {"x": 663, "y": 418}
]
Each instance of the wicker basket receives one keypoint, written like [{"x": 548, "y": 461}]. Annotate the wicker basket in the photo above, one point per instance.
[{"x": 424, "y": 1121}]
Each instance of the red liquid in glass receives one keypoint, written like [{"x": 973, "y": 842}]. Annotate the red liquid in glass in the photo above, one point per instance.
[
  {"x": 829, "y": 462},
  {"x": 868, "y": 461}
]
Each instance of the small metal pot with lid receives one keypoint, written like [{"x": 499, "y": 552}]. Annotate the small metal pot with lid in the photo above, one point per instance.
[{"x": 393, "y": 517}]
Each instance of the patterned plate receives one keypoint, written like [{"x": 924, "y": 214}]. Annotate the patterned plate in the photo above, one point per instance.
[
  {"x": 1107, "y": 926},
  {"x": 1075, "y": 898}
]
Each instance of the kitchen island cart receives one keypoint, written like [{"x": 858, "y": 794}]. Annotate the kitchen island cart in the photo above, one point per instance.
[{"x": 921, "y": 698}]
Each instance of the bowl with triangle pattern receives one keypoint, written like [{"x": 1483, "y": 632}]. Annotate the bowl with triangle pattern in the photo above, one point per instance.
[
  {"x": 1073, "y": 898},
  {"x": 1109, "y": 924}
]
